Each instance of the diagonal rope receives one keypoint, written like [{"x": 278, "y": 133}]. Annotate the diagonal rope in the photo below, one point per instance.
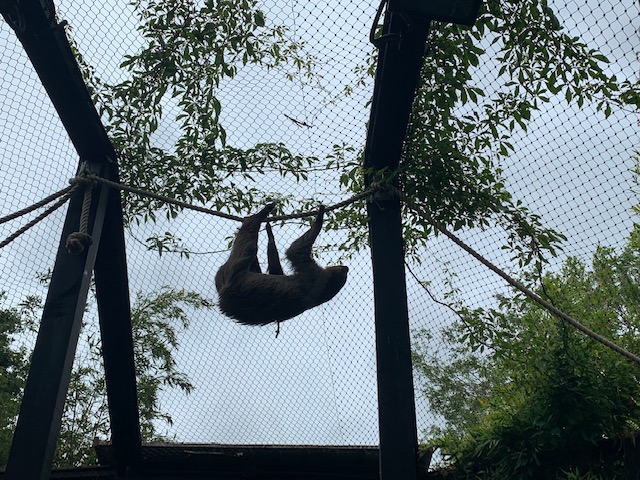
[
  {"x": 66, "y": 193},
  {"x": 162, "y": 198},
  {"x": 518, "y": 285},
  {"x": 40, "y": 217},
  {"x": 36, "y": 205}
]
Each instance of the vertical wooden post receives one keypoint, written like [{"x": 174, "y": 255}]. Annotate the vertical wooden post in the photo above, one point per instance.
[
  {"x": 399, "y": 62},
  {"x": 112, "y": 294}
]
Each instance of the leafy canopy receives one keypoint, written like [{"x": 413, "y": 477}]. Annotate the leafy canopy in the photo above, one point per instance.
[
  {"x": 459, "y": 133},
  {"x": 157, "y": 321},
  {"x": 525, "y": 396},
  {"x": 189, "y": 49},
  {"x": 458, "y": 136}
]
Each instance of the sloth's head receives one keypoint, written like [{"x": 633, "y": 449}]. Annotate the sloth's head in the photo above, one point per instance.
[{"x": 337, "y": 277}]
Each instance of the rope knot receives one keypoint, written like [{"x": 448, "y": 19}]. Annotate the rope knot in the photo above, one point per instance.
[
  {"x": 77, "y": 242},
  {"x": 82, "y": 181}
]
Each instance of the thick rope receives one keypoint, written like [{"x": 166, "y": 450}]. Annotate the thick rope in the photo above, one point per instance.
[
  {"x": 173, "y": 201},
  {"x": 36, "y": 205},
  {"x": 162, "y": 198},
  {"x": 518, "y": 285},
  {"x": 344, "y": 203},
  {"x": 40, "y": 217},
  {"x": 68, "y": 191},
  {"x": 78, "y": 241},
  {"x": 86, "y": 209}
]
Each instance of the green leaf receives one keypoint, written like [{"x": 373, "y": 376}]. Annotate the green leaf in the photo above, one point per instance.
[{"x": 258, "y": 18}]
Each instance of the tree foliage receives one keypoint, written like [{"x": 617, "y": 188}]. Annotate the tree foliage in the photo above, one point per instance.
[
  {"x": 514, "y": 368},
  {"x": 189, "y": 49},
  {"x": 157, "y": 320},
  {"x": 525, "y": 396},
  {"x": 460, "y": 133},
  {"x": 13, "y": 371}
]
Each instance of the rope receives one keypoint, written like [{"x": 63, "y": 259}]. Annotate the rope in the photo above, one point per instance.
[
  {"x": 518, "y": 285},
  {"x": 78, "y": 241},
  {"x": 86, "y": 208},
  {"x": 40, "y": 217},
  {"x": 173, "y": 201},
  {"x": 36, "y": 205},
  {"x": 162, "y": 198},
  {"x": 336, "y": 206}
]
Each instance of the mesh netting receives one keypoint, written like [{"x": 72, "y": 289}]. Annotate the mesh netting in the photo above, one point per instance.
[{"x": 315, "y": 383}]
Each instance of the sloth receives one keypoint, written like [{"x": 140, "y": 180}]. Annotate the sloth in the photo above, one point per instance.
[{"x": 251, "y": 297}]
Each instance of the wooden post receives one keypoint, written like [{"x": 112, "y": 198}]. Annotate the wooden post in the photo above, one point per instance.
[{"x": 399, "y": 62}]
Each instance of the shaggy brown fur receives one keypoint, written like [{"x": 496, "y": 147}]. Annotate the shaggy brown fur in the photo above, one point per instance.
[{"x": 255, "y": 298}]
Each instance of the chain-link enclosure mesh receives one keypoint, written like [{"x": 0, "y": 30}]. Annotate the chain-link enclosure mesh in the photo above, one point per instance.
[{"x": 315, "y": 383}]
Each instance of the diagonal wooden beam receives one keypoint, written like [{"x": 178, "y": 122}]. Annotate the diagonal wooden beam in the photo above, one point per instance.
[
  {"x": 38, "y": 426},
  {"x": 45, "y": 42}
]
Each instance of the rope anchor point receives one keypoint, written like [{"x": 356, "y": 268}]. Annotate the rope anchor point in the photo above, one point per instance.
[{"x": 78, "y": 241}]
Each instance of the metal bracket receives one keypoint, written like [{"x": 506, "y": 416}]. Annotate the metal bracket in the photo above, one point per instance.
[{"x": 94, "y": 167}]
